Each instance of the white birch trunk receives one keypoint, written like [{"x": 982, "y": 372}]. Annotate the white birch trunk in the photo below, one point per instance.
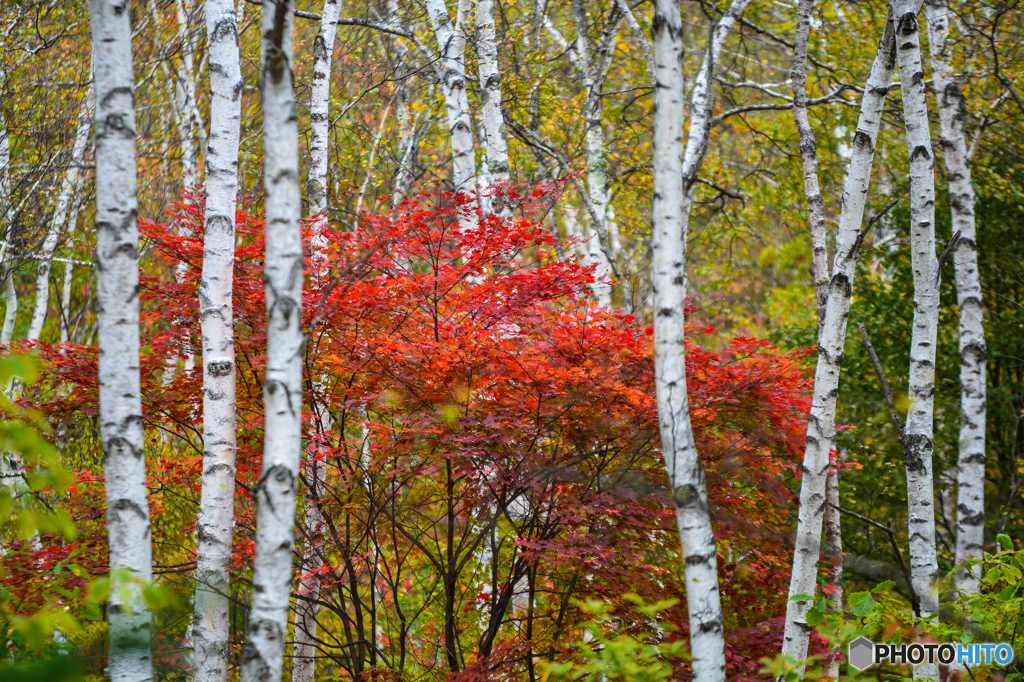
[
  {"x": 69, "y": 267},
  {"x": 918, "y": 433},
  {"x": 323, "y": 52},
  {"x": 304, "y": 652},
  {"x": 117, "y": 284},
  {"x": 973, "y": 352},
  {"x": 61, "y": 214},
  {"x": 451, "y": 42},
  {"x": 819, "y": 269},
  {"x": 673, "y": 188},
  {"x": 495, "y": 134},
  {"x": 597, "y": 162},
  {"x": 263, "y": 653},
  {"x": 11, "y": 311},
  {"x": 211, "y": 625},
  {"x": 809, "y": 156},
  {"x": 10, "y": 294},
  {"x": 406, "y": 125},
  {"x": 821, "y": 422}
]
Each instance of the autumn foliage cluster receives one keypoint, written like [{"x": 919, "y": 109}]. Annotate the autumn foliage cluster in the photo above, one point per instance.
[{"x": 490, "y": 443}]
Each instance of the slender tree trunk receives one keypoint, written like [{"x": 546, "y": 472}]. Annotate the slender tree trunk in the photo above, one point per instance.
[
  {"x": 69, "y": 267},
  {"x": 10, "y": 293},
  {"x": 970, "y": 535},
  {"x": 263, "y": 653},
  {"x": 61, "y": 211},
  {"x": 819, "y": 270},
  {"x": 834, "y": 556},
  {"x": 674, "y": 174},
  {"x": 117, "y": 283},
  {"x": 304, "y": 656},
  {"x": 451, "y": 42},
  {"x": 211, "y": 626},
  {"x": 495, "y": 136},
  {"x": 323, "y": 51},
  {"x": 407, "y": 125},
  {"x": 918, "y": 433},
  {"x": 597, "y": 162},
  {"x": 821, "y": 422}
]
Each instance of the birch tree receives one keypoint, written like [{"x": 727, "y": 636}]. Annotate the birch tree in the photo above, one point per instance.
[
  {"x": 117, "y": 284},
  {"x": 821, "y": 422},
  {"x": 211, "y": 621},
  {"x": 10, "y": 293},
  {"x": 591, "y": 76},
  {"x": 819, "y": 270},
  {"x": 451, "y": 43},
  {"x": 918, "y": 432},
  {"x": 263, "y": 653},
  {"x": 495, "y": 136},
  {"x": 675, "y": 172},
  {"x": 304, "y": 665},
  {"x": 70, "y": 184},
  {"x": 973, "y": 352}
]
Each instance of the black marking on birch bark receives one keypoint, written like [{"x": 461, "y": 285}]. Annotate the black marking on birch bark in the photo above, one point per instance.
[
  {"x": 118, "y": 9},
  {"x": 697, "y": 560},
  {"x": 687, "y": 496},
  {"x": 907, "y": 24},
  {"x": 226, "y": 28},
  {"x": 117, "y": 443},
  {"x": 842, "y": 283},
  {"x": 974, "y": 458},
  {"x": 215, "y": 467},
  {"x": 219, "y": 368},
  {"x": 708, "y": 626},
  {"x": 917, "y": 79},
  {"x": 114, "y": 92},
  {"x": 121, "y": 505},
  {"x": 976, "y": 348},
  {"x": 665, "y": 312},
  {"x": 915, "y": 447},
  {"x": 966, "y": 518},
  {"x": 920, "y": 151}
]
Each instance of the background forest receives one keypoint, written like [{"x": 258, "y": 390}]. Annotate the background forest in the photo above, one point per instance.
[{"x": 479, "y": 480}]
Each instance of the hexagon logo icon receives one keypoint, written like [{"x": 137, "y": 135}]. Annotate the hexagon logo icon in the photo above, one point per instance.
[{"x": 861, "y": 653}]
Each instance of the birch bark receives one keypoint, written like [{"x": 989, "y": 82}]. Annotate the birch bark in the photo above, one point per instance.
[
  {"x": 918, "y": 433},
  {"x": 211, "y": 622},
  {"x": 304, "y": 652},
  {"x": 973, "y": 352},
  {"x": 821, "y": 422},
  {"x": 819, "y": 270},
  {"x": 597, "y": 163},
  {"x": 495, "y": 135},
  {"x": 10, "y": 294},
  {"x": 674, "y": 174},
  {"x": 69, "y": 267},
  {"x": 263, "y": 653},
  {"x": 117, "y": 284},
  {"x": 323, "y": 51},
  {"x": 451, "y": 43},
  {"x": 60, "y": 218}
]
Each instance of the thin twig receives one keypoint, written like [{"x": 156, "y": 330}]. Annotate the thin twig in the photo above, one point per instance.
[
  {"x": 953, "y": 241},
  {"x": 915, "y": 602},
  {"x": 886, "y": 390},
  {"x": 867, "y": 228}
]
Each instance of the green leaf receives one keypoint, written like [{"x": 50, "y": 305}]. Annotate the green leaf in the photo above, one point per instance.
[
  {"x": 1004, "y": 540},
  {"x": 863, "y": 603},
  {"x": 882, "y": 587},
  {"x": 1007, "y": 594},
  {"x": 801, "y": 597}
]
